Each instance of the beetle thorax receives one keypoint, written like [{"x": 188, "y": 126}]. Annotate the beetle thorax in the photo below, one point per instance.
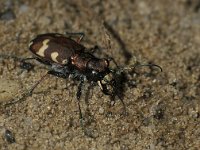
[
  {"x": 99, "y": 65},
  {"x": 79, "y": 62},
  {"x": 89, "y": 63}
]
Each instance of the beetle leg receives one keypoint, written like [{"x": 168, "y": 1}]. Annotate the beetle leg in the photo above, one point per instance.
[
  {"x": 113, "y": 60},
  {"x": 38, "y": 82},
  {"x": 26, "y": 65},
  {"x": 88, "y": 94},
  {"x": 78, "y": 95},
  {"x": 80, "y": 34},
  {"x": 58, "y": 74},
  {"x": 29, "y": 92},
  {"x": 124, "y": 106},
  {"x": 23, "y": 63},
  {"x": 79, "y": 92}
]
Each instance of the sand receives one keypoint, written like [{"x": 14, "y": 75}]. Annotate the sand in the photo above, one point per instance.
[{"x": 163, "y": 108}]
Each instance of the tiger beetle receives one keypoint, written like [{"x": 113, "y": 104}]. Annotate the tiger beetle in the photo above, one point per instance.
[{"x": 67, "y": 58}]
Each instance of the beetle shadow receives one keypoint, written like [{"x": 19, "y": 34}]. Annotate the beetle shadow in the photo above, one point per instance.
[
  {"x": 119, "y": 90},
  {"x": 122, "y": 45}
]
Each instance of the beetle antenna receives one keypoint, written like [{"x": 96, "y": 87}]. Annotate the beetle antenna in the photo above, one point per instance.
[{"x": 140, "y": 65}]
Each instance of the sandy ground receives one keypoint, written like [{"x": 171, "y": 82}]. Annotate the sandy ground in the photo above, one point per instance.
[{"x": 163, "y": 107}]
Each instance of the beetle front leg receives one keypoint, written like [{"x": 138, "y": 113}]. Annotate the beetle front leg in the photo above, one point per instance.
[{"x": 78, "y": 95}]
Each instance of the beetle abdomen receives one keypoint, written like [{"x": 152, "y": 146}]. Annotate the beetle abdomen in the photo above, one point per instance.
[{"x": 53, "y": 47}]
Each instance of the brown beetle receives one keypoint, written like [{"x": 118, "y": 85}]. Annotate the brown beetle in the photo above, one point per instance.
[{"x": 68, "y": 58}]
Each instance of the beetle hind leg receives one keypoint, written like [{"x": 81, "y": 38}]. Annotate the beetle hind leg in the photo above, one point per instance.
[
  {"x": 80, "y": 34},
  {"x": 27, "y": 93},
  {"x": 23, "y": 64}
]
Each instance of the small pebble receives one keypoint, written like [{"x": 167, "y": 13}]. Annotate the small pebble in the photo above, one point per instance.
[
  {"x": 101, "y": 110},
  {"x": 9, "y": 136},
  {"x": 7, "y": 15}
]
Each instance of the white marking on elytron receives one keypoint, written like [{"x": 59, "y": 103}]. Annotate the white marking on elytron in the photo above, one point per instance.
[
  {"x": 43, "y": 48},
  {"x": 54, "y": 55},
  {"x": 100, "y": 85},
  {"x": 29, "y": 45}
]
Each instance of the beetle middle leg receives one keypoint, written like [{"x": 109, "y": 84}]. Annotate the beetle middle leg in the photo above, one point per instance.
[
  {"x": 78, "y": 95},
  {"x": 86, "y": 131},
  {"x": 80, "y": 34}
]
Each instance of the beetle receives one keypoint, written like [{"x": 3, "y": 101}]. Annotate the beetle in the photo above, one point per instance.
[{"x": 67, "y": 58}]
